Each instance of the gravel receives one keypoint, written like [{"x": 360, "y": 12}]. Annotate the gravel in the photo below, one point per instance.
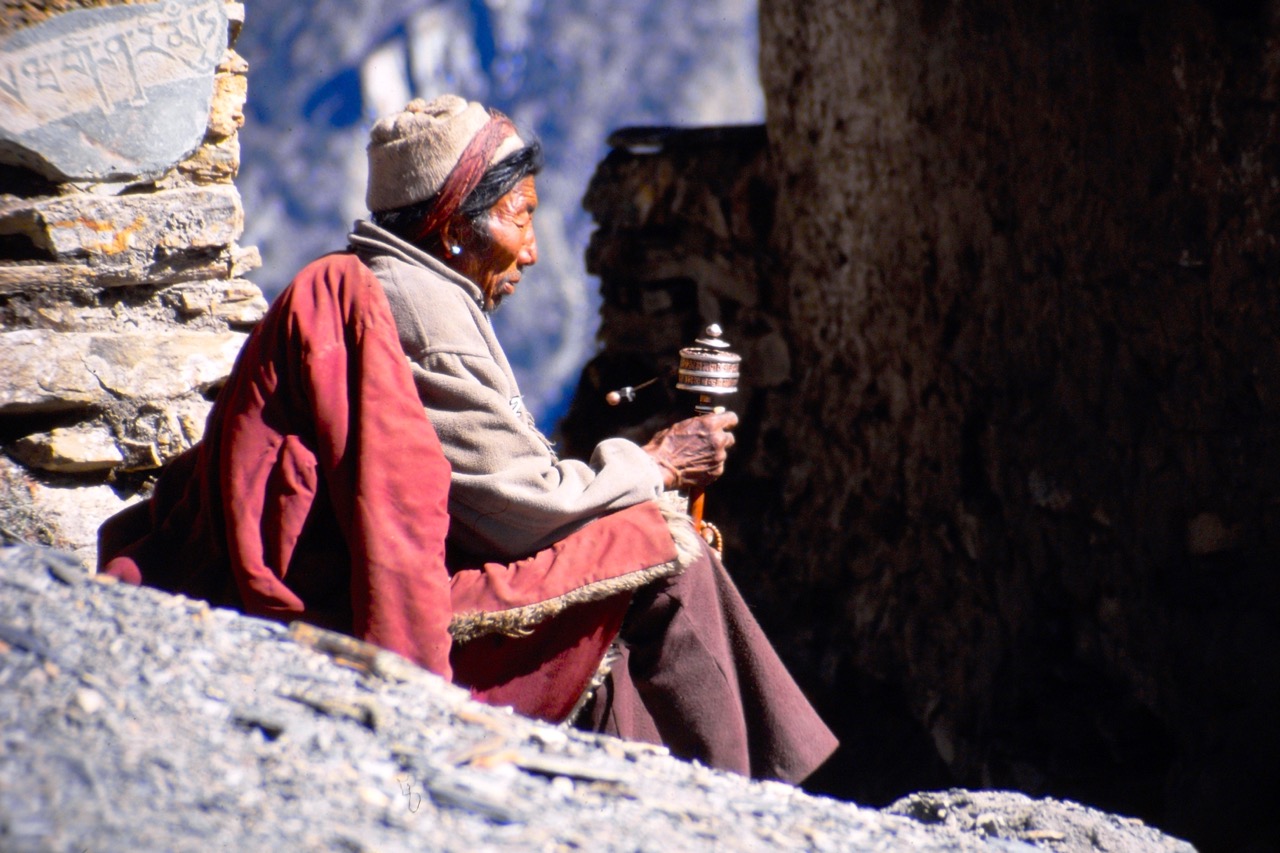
[{"x": 131, "y": 719}]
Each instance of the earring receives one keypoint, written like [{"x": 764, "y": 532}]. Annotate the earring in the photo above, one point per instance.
[{"x": 455, "y": 250}]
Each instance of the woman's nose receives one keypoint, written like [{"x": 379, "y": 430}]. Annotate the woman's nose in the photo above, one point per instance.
[{"x": 529, "y": 255}]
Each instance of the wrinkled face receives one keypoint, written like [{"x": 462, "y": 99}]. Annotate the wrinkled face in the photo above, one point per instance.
[{"x": 496, "y": 264}]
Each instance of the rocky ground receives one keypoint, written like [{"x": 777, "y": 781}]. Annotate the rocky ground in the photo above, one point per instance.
[{"x": 131, "y": 719}]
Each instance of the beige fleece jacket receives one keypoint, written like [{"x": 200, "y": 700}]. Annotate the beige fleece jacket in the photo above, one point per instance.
[{"x": 510, "y": 494}]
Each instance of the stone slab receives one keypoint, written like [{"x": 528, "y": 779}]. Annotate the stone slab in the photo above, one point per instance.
[
  {"x": 117, "y": 93},
  {"x": 210, "y": 305},
  {"x": 227, "y": 114},
  {"x": 73, "y": 450},
  {"x": 148, "y": 436},
  {"x": 75, "y": 512},
  {"x": 159, "y": 431},
  {"x": 213, "y": 162},
  {"x": 237, "y": 302},
  {"x": 47, "y": 371},
  {"x": 129, "y": 233},
  {"x": 228, "y": 264}
]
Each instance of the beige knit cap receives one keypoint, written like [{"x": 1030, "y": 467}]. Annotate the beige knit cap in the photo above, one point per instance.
[{"x": 412, "y": 152}]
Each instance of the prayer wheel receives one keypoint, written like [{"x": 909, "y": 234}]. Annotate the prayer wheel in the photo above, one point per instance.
[{"x": 709, "y": 369}]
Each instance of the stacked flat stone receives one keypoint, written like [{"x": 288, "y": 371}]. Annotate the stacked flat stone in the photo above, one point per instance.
[
  {"x": 123, "y": 301},
  {"x": 681, "y": 219}
]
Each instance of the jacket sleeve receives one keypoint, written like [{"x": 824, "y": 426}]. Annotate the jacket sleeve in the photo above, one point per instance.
[
  {"x": 511, "y": 495},
  {"x": 388, "y": 477}
]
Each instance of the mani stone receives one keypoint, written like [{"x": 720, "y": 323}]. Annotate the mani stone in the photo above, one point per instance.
[{"x": 110, "y": 94}]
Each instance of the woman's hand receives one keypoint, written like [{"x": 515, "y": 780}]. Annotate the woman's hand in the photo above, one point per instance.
[{"x": 692, "y": 452}]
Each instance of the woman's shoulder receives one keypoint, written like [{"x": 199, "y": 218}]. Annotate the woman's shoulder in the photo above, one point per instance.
[
  {"x": 432, "y": 312},
  {"x": 342, "y": 263},
  {"x": 338, "y": 276},
  {"x": 413, "y": 277}
]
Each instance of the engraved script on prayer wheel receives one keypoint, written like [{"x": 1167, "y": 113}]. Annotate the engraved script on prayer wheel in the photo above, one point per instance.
[{"x": 708, "y": 368}]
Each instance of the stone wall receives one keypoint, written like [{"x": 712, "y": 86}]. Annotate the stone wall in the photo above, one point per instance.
[
  {"x": 1031, "y": 262},
  {"x": 122, "y": 297},
  {"x": 1008, "y": 500}
]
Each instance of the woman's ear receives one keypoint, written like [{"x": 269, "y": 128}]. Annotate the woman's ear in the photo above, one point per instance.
[
  {"x": 460, "y": 235},
  {"x": 449, "y": 238}
]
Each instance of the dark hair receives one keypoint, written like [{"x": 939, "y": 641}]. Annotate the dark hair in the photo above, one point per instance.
[{"x": 405, "y": 222}]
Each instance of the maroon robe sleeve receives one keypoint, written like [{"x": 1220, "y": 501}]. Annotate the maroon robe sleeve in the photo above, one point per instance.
[
  {"x": 377, "y": 454},
  {"x": 319, "y": 491}
]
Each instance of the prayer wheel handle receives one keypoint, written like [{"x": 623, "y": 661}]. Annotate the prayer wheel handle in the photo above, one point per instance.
[{"x": 709, "y": 369}]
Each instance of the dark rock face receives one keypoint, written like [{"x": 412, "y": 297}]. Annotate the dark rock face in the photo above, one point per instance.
[
  {"x": 1031, "y": 283},
  {"x": 1007, "y": 500},
  {"x": 131, "y": 719}
]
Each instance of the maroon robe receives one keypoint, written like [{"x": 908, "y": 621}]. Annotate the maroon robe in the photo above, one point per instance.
[{"x": 319, "y": 493}]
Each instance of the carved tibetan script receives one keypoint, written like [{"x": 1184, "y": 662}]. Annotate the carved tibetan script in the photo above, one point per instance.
[
  {"x": 111, "y": 93},
  {"x": 58, "y": 69}
]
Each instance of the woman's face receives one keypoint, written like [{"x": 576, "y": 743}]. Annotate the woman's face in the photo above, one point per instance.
[{"x": 496, "y": 264}]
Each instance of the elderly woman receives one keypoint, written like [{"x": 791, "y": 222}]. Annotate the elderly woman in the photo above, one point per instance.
[
  {"x": 373, "y": 392},
  {"x": 453, "y": 193}
]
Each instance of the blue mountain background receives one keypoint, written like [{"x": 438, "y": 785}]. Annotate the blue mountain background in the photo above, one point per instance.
[{"x": 322, "y": 71}]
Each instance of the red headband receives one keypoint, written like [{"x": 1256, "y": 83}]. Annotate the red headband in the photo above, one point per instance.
[{"x": 466, "y": 176}]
